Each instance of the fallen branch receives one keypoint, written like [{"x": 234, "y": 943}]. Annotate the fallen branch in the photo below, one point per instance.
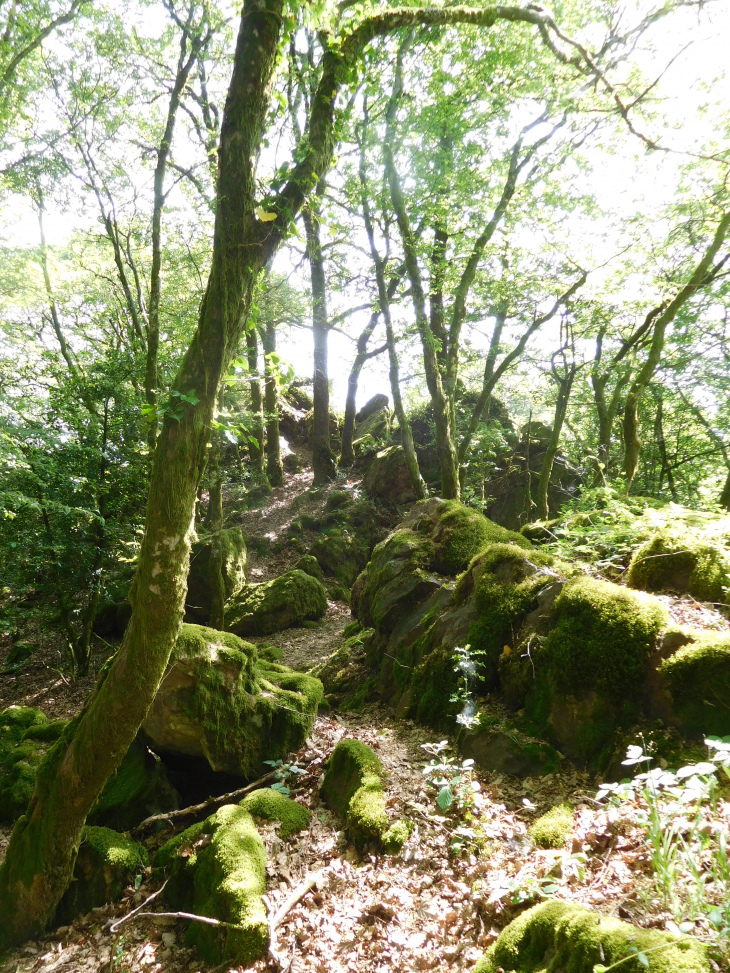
[
  {"x": 139, "y": 908},
  {"x": 197, "y": 808},
  {"x": 208, "y": 920},
  {"x": 296, "y": 896}
]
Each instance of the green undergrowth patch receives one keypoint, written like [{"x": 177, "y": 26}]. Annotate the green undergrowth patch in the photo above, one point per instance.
[
  {"x": 551, "y": 829},
  {"x": 564, "y": 938}
]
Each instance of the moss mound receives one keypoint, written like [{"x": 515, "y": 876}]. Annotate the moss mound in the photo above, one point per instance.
[
  {"x": 273, "y": 806},
  {"x": 551, "y": 830},
  {"x": 340, "y": 555},
  {"x": 353, "y": 788},
  {"x": 221, "y": 702},
  {"x": 106, "y": 864},
  {"x": 218, "y": 869},
  {"x": 602, "y": 639},
  {"x": 698, "y": 679},
  {"x": 461, "y": 533},
  {"x": 559, "y": 938},
  {"x": 261, "y": 609},
  {"x": 310, "y": 565},
  {"x": 681, "y": 563},
  {"x": 397, "y": 578}
]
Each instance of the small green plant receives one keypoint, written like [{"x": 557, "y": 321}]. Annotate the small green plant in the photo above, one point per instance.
[
  {"x": 283, "y": 771},
  {"x": 453, "y": 781},
  {"x": 467, "y": 663}
]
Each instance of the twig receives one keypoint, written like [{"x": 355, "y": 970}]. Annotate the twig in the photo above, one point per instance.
[
  {"x": 196, "y": 808},
  {"x": 208, "y": 920},
  {"x": 139, "y": 908},
  {"x": 296, "y": 896}
]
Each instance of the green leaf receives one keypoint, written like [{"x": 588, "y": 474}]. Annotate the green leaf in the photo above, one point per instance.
[
  {"x": 643, "y": 959},
  {"x": 445, "y": 798}
]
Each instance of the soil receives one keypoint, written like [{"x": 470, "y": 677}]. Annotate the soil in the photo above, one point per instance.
[{"x": 435, "y": 906}]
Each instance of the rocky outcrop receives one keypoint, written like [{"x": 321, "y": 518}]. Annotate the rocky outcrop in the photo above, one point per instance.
[
  {"x": 221, "y": 703},
  {"x": 290, "y": 599},
  {"x": 233, "y": 571},
  {"x": 387, "y": 477}
]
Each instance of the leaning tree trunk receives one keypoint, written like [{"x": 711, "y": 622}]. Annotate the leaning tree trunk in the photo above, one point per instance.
[
  {"x": 323, "y": 462},
  {"x": 256, "y": 448},
  {"x": 274, "y": 467},
  {"x": 40, "y": 858}
]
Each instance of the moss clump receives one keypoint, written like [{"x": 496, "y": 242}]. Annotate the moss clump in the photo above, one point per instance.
[
  {"x": 218, "y": 869},
  {"x": 682, "y": 563},
  {"x": 397, "y": 578},
  {"x": 261, "y": 609},
  {"x": 505, "y": 580},
  {"x": 273, "y": 806},
  {"x": 397, "y": 834},
  {"x": 698, "y": 679},
  {"x": 310, "y": 565},
  {"x": 551, "y": 830},
  {"x": 602, "y": 639},
  {"x": 219, "y": 701},
  {"x": 560, "y": 938},
  {"x": 139, "y": 787},
  {"x": 105, "y": 866},
  {"x": 26, "y": 736},
  {"x": 431, "y": 686},
  {"x": 353, "y": 788},
  {"x": 461, "y": 533},
  {"x": 340, "y": 555}
]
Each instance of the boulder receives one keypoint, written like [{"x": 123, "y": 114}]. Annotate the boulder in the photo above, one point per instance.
[
  {"x": 233, "y": 570},
  {"x": 372, "y": 427},
  {"x": 106, "y": 864},
  {"x": 340, "y": 555},
  {"x": 139, "y": 787},
  {"x": 507, "y": 751},
  {"x": 270, "y": 805},
  {"x": 310, "y": 565},
  {"x": 217, "y": 868},
  {"x": 696, "y": 680},
  {"x": 387, "y": 477},
  {"x": 560, "y": 936},
  {"x": 290, "y": 599},
  {"x": 222, "y": 703},
  {"x": 374, "y": 405},
  {"x": 680, "y": 562}
]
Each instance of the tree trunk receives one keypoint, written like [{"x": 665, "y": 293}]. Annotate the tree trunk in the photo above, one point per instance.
[
  {"x": 347, "y": 454},
  {"x": 214, "y": 526},
  {"x": 323, "y": 462},
  {"x": 565, "y": 385},
  {"x": 255, "y": 449},
  {"x": 274, "y": 467}
]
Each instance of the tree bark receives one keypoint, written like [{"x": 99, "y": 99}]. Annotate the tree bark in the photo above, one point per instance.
[
  {"x": 214, "y": 526},
  {"x": 256, "y": 448},
  {"x": 565, "y": 386},
  {"x": 323, "y": 462},
  {"x": 347, "y": 454},
  {"x": 274, "y": 467}
]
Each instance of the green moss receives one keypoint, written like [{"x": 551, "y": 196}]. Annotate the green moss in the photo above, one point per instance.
[
  {"x": 680, "y": 562},
  {"x": 106, "y": 864},
  {"x": 397, "y": 578},
  {"x": 234, "y": 560},
  {"x": 275, "y": 605},
  {"x": 26, "y": 736},
  {"x": 273, "y": 806},
  {"x": 366, "y": 814},
  {"x": 310, "y": 565},
  {"x": 462, "y": 533},
  {"x": 138, "y": 788},
  {"x": 551, "y": 829},
  {"x": 556, "y": 937},
  {"x": 602, "y": 639},
  {"x": 432, "y": 683},
  {"x": 362, "y": 695},
  {"x": 698, "y": 678},
  {"x": 218, "y": 869},
  {"x": 397, "y": 834},
  {"x": 352, "y": 629},
  {"x": 350, "y": 764}
]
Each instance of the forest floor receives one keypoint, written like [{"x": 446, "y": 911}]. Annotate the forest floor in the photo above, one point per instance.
[{"x": 427, "y": 908}]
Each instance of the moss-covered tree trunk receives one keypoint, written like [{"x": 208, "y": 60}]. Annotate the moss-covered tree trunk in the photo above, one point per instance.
[
  {"x": 323, "y": 462},
  {"x": 255, "y": 448},
  {"x": 565, "y": 386},
  {"x": 347, "y": 454},
  {"x": 274, "y": 467},
  {"x": 214, "y": 526}
]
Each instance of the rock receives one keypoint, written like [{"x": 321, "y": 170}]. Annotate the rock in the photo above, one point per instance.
[
  {"x": 217, "y": 868},
  {"x": 220, "y": 702},
  {"x": 340, "y": 555},
  {"x": 270, "y": 805},
  {"x": 507, "y": 752},
  {"x": 679, "y": 562},
  {"x": 372, "y": 428},
  {"x": 233, "y": 569},
  {"x": 696, "y": 679},
  {"x": 112, "y": 619},
  {"x": 139, "y": 787},
  {"x": 398, "y": 577},
  {"x": 107, "y": 863},
  {"x": 260, "y": 609},
  {"x": 387, "y": 477},
  {"x": 374, "y": 405},
  {"x": 310, "y": 565},
  {"x": 560, "y": 936}
]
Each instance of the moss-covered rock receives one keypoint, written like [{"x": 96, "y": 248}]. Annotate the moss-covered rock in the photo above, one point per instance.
[
  {"x": 344, "y": 672},
  {"x": 310, "y": 565},
  {"x": 220, "y": 702},
  {"x": 679, "y": 562},
  {"x": 260, "y": 609},
  {"x": 340, "y": 555},
  {"x": 551, "y": 829},
  {"x": 387, "y": 476},
  {"x": 353, "y": 788},
  {"x": 233, "y": 572},
  {"x": 697, "y": 677},
  {"x": 106, "y": 864},
  {"x": 556, "y": 937},
  {"x": 461, "y": 533},
  {"x": 218, "y": 869},
  {"x": 398, "y": 576},
  {"x": 397, "y": 834},
  {"x": 270, "y": 805}
]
